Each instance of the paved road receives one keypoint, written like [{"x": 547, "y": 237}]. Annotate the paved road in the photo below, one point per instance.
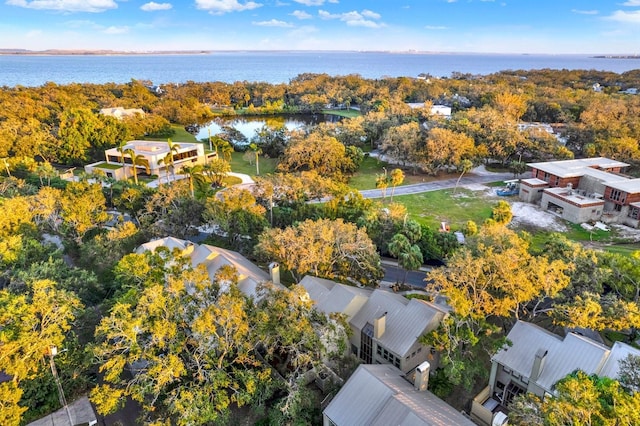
[
  {"x": 476, "y": 178},
  {"x": 393, "y": 274}
]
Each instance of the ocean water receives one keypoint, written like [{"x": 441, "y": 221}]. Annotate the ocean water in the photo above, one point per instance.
[{"x": 276, "y": 67}]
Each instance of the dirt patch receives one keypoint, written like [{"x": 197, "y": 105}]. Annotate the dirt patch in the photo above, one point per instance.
[{"x": 527, "y": 215}]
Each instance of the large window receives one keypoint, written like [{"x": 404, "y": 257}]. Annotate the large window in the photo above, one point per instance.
[{"x": 366, "y": 348}]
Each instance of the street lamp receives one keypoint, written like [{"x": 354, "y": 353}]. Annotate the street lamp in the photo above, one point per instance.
[{"x": 53, "y": 351}]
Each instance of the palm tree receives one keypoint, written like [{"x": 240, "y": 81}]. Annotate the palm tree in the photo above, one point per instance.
[
  {"x": 173, "y": 149},
  {"x": 121, "y": 149},
  {"x": 257, "y": 151},
  {"x": 166, "y": 161},
  {"x": 465, "y": 166},
  {"x": 409, "y": 255},
  {"x": 193, "y": 173},
  {"x": 396, "y": 178},
  {"x": 226, "y": 149},
  {"x": 137, "y": 160}
]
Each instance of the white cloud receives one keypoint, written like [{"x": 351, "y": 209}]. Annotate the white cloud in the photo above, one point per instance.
[
  {"x": 310, "y": 2},
  {"x": 631, "y": 3},
  {"x": 585, "y": 12},
  {"x": 116, "y": 30},
  {"x": 66, "y": 5},
  {"x": 300, "y": 14},
  {"x": 273, "y": 23},
  {"x": 435, "y": 27},
  {"x": 354, "y": 18},
  {"x": 153, "y": 6},
  {"x": 219, "y": 7},
  {"x": 627, "y": 17},
  {"x": 371, "y": 15}
]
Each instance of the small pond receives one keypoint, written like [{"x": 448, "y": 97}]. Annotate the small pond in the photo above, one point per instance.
[{"x": 248, "y": 125}]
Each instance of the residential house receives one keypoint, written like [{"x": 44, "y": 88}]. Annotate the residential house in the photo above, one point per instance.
[
  {"x": 250, "y": 277},
  {"x": 385, "y": 326},
  {"x": 441, "y": 110},
  {"x": 536, "y": 360},
  {"x": 120, "y": 112},
  {"x": 382, "y": 395},
  {"x": 155, "y": 153},
  {"x": 584, "y": 190}
]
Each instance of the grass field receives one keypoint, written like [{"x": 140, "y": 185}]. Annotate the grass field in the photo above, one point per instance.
[
  {"x": 347, "y": 113},
  {"x": 432, "y": 208},
  {"x": 239, "y": 165}
]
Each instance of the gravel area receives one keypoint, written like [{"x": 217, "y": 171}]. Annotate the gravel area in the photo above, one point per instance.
[{"x": 530, "y": 215}]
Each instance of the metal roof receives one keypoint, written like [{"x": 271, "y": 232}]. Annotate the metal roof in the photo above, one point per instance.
[
  {"x": 380, "y": 395},
  {"x": 406, "y": 319},
  {"x": 563, "y": 355},
  {"x": 329, "y": 296},
  {"x": 249, "y": 275},
  {"x": 619, "y": 351}
]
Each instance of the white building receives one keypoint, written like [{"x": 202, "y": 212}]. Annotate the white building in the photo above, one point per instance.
[{"x": 155, "y": 153}]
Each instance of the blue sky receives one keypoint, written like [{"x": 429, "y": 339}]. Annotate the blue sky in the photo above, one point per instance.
[{"x": 509, "y": 26}]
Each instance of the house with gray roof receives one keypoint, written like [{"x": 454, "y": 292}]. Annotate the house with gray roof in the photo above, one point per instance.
[
  {"x": 536, "y": 360},
  {"x": 385, "y": 326},
  {"x": 329, "y": 296},
  {"x": 381, "y": 395},
  {"x": 250, "y": 277},
  {"x": 584, "y": 190}
]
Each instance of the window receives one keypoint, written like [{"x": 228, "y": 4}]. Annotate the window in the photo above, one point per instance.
[
  {"x": 616, "y": 195},
  {"x": 634, "y": 213},
  {"x": 366, "y": 343}
]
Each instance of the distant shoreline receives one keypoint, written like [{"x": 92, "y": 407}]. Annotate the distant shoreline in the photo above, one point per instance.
[
  {"x": 89, "y": 52},
  {"x": 55, "y": 52}
]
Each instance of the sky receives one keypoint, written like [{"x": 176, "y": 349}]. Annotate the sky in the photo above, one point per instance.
[{"x": 482, "y": 26}]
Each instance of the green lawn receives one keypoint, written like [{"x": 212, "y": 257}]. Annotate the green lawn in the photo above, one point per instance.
[
  {"x": 239, "y": 165},
  {"x": 347, "y": 113},
  {"x": 365, "y": 177},
  {"x": 109, "y": 166},
  {"x": 431, "y": 208},
  {"x": 180, "y": 135}
]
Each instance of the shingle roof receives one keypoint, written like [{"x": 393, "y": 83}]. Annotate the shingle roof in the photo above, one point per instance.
[
  {"x": 407, "y": 319},
  {"x": 563, "y": 355},
  {"x": 380, "y": 395}
]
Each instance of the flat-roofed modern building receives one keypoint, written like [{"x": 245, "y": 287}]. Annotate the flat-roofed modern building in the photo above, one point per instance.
[
  {"x": 155, "y": 153},
  {"x": 584, "y": 190}
]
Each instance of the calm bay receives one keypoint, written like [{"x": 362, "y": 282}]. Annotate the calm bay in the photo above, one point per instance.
[{"x": 276, "y": 67}]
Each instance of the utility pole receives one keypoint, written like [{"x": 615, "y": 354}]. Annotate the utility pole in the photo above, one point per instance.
[{"x": 53, "y": 351}]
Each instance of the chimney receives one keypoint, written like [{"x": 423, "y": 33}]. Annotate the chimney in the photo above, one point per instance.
[
  {"x": 538, "y": 364},
  {"x": 421, "y": 380},
  {"x": 274, "y": 272},
  {"x": 379, "y": 325}
]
